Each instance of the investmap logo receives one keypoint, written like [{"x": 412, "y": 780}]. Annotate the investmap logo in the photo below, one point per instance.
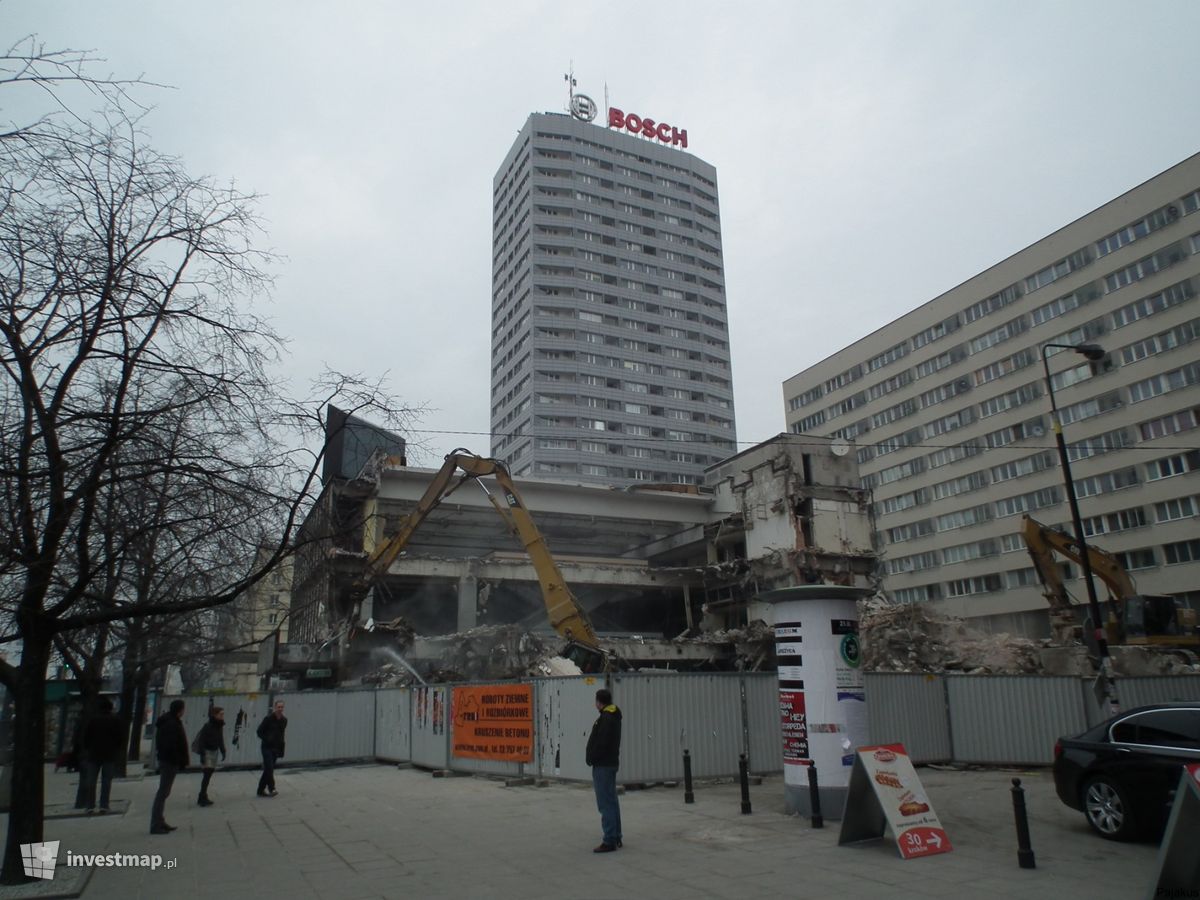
[{"x": 39, "y": 859}]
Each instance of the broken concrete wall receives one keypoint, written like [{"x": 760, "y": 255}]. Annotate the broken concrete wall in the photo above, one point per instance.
[{"x": 804, "y": 517}]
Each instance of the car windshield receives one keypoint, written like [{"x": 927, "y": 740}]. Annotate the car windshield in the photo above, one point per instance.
[{"x": 1160, "y": 728}]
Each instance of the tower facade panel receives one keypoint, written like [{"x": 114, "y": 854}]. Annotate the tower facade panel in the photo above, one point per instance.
[{"x": 610, "y": 340}]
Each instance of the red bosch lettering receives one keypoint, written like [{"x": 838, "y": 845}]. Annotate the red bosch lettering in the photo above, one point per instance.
[{"x": 647, "y": 127}]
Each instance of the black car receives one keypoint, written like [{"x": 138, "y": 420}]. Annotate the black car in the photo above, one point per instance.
[{"x": 1122, "y": 774}]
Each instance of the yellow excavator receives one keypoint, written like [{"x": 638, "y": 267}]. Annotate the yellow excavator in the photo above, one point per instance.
[
  {"x": 1144, "y": 619},
  {"x": 567, "y": 615}
]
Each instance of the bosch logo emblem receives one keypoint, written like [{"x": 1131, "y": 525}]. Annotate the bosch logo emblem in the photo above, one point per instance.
[{"x": 583, "y": 107}]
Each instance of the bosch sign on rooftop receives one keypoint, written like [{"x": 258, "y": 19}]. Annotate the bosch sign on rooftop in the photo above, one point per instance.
[
  {"x": 635, "y": 124},
  {"x": 610, "y": 340}
]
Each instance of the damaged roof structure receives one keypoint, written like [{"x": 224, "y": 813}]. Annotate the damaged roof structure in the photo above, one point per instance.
[{"x": 665, "y": 572}]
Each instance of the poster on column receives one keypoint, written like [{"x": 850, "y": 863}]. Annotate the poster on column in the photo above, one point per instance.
[
  {"x": 885, "y": 789},
  {"x": 493, "y": 722}
]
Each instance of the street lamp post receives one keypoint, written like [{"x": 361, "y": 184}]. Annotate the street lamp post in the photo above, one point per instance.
[{"x": 1092, "y": 352}]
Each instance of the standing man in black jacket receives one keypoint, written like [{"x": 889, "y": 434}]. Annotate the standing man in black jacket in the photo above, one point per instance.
[
  {"x": 271, "y": 733},
  {"x": 604, "y": 756},
  {"x": 103, "y": 740},
  {"x": 171, "y": 747}
]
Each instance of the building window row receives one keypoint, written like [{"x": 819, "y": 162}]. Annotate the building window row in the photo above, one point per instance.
[
  {"x": 1062, "y": 305},
  {"x": 889, "y": 356},
  {"x": 1175, "y": 423},
  {"x": 1019, "y": 360},
  {"x": 1171, "y": 466},
  {"x": 1106, "y": 482},
  {"x": 1179, "y": 336},
  {"x": 1174, "y": 295},
  {"x": 1144, "y": 226},
  {"x": 1177, "y": 508},
  {"x": 1164, "y": 383}
]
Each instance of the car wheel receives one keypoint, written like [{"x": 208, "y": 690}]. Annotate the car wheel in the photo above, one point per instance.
[{"x": 1106, "y": 805}]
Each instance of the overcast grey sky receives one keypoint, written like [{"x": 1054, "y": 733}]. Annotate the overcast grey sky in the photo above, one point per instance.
[{"x": 870, "y": 155}]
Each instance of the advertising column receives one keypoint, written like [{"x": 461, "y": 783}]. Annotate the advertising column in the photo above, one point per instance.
[{"x": 822, "y": 706}]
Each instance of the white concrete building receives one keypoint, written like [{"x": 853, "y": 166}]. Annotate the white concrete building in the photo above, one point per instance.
[{"x": 948, "y": 410}]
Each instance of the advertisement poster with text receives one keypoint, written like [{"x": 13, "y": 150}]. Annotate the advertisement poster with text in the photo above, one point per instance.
[
  {"x": 794, "y": 723},
  {"x": 493, "y": 722},
  {"x": 905, "y": 804}
]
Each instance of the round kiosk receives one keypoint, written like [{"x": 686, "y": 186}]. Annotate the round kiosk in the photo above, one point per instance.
[{"x": 822, "y": 706}]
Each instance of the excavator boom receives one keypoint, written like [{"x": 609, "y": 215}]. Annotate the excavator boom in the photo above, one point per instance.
[
  {"x": 567, "y": 616},
  {"x": 1139, "y": 619}
]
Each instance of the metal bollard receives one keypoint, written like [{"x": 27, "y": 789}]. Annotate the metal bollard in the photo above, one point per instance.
[
  {"x": 1024, "y": 850},
  {"x": 814, "y": 797},
  {"x": 688, "y": 796},
  {"x": 744, "y": 773}
]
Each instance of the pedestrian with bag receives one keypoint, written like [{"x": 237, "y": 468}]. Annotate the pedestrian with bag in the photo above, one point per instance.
[
  {"x": 171, "y": 748},
  {"x": 604, "y": 756},
  {"x": 271, "y": 733},
  {"x": 210, "y": 740}
]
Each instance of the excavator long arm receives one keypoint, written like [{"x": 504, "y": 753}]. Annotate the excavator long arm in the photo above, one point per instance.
[
  {"x": 1043, "y": 542},
  {"x": 567, "y": 616}
]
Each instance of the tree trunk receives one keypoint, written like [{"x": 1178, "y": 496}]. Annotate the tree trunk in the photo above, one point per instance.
[{"x": 25, "y": 825}]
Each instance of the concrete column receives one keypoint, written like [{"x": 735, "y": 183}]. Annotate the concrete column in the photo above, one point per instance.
[{"x": 468, "y": 597}]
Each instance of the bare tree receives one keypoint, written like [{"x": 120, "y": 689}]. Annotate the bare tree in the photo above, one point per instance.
[{"x": 133, "y": 378}]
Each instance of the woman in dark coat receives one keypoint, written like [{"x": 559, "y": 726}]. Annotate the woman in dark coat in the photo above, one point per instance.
[{"x": 210, "y": 741}]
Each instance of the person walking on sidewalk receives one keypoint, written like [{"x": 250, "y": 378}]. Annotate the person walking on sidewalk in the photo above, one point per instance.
[
  {"x": 210, "y": 740},
  {"x": 271, "y": 733},
  {"x": 171, "y": 748},
  {"x": 604, "y": 756},
  {"x": 102, "y": 742}
]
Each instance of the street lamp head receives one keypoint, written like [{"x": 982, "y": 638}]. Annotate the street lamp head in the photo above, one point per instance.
[{"x": 1091, "y": 351}]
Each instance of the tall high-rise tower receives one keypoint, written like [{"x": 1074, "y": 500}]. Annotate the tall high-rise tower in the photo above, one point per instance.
[{"x": 610, "y": 341}]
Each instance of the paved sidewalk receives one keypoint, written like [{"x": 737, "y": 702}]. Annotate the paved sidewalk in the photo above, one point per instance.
[{"x": 376, "y": 831}]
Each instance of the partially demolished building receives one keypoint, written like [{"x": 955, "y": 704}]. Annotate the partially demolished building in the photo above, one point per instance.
[{"x": 665, "y": 572}]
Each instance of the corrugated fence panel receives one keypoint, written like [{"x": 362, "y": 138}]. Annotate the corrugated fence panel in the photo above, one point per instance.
[
  {"x": 329, "y": 725},
  {"x": 762, "y": 714},
  {"x": 430, "y": 731},
  {"x": 762, "y": 719},
  {"x": 393, "y": 725},
  {"x": 1012, "y": 719},
  {"x": 565, "y": 709},
  {"x": 910, "y": 710},
  {"x": 664, "y": 714},
  {"x": 489, "y": 766},
  {"x": 354, "y": 725},
  {"x": 1162, "y": 689}
]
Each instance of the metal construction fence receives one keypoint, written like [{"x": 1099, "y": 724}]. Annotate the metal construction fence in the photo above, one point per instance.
[{"x": 983, "y": 719}]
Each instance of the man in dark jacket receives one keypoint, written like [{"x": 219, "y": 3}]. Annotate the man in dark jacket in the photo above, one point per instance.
[
  {"x": 102, "y": 742},
  {"x": 271, "y": 733},
  {"x": 171, "y": 748},
  {"x": 604, "y": 756}
]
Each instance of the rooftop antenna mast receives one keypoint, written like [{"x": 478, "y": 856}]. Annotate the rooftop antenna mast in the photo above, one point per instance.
[{"x": 570, "y": 78}]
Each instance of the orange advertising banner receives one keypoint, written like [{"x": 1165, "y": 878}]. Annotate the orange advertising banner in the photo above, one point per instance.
[{"x": 493, "y": 722}]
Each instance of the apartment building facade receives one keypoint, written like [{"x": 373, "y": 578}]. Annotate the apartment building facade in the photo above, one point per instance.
[
  {"x": 948, "y": 410},
  {"x": 610, "y": 340}
]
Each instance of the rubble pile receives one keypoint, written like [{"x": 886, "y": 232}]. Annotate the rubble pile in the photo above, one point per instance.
[
  {"x": 390, "y": 675},
  {"x": 910, "y": 639}
]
